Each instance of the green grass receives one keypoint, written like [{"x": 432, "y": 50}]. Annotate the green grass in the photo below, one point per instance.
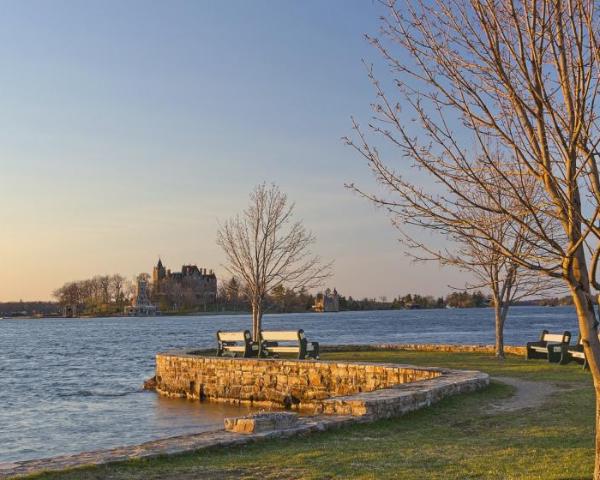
[{"x": 458, "y": 438}]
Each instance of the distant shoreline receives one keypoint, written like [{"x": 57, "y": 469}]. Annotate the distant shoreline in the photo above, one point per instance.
[
  {"x": 239, "y": 313},
  {"x": 120, "y": 315}
]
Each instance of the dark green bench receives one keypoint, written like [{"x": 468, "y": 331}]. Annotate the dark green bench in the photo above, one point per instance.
[
  {"x": 294, "y": 341},
  {"x": 236, "y": 344},
  {"x": 575, "y": 353},
  {"x": 550, "y": 346}
]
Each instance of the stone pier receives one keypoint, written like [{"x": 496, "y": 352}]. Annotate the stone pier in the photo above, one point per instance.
[
  {"x": 378, "y": 390},
  {"x": 336, "y": 393}
]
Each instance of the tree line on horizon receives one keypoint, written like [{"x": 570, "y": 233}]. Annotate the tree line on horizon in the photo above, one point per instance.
[
  {"x": 109, "y": 294},
  {"x": 99, "y": 295}
]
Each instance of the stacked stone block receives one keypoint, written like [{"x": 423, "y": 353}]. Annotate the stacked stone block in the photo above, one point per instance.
[
  {"x": 273, "y": 382},
  {"x": 261, "y": 422}
]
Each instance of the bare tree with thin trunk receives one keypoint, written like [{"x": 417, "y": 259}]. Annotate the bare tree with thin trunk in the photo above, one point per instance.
[
  {"x": 265, "y": 248},
  {"x": 466, "y": 249},
  {"x": 116, "y": 286},
  {"x": 524, "y": 75},
  {"x": 497, "y": 273}
]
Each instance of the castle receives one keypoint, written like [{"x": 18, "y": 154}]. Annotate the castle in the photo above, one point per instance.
[{"x": 189, "y": 288}]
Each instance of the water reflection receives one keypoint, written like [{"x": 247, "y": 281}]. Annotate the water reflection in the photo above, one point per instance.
[{"x": 182, "y": 414}]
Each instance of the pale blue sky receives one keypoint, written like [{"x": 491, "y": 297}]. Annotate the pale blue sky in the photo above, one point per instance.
[{"x": 128, "y": 128}]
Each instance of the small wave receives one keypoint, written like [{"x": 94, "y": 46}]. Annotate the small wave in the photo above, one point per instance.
[{"x": 92, "y": 393}]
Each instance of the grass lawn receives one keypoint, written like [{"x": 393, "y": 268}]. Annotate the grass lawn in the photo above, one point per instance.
[{"x": 460, "y": 437}]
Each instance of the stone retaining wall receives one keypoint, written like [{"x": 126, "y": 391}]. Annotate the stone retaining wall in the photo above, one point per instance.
[
  {"x": 412, "y": 347},
  {"x": 274, "y": 382},
  {"x": 350, "y": 388},
  {"x": 360, "y": 392},
  {"x": 450, "y": 348}
]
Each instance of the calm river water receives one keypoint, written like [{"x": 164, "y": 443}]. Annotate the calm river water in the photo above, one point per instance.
[{"x": 70, "y": 385}]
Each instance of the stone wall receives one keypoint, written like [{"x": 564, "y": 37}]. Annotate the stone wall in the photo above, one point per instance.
[
  {"x": 350, "y": 388},
  {"x": 290, "y": 383},
  {"x": 450, "y": 348},
  {"x": 412, "y": 347},
  {"x": 352, "y": 392}
]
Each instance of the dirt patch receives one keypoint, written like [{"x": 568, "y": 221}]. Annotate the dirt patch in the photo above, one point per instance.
[{"x": 528, "y": 394}]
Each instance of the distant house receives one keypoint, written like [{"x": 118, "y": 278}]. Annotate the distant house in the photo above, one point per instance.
[
  {"x": 327, "y": 301},
  {"x": 70, "y": 311}
]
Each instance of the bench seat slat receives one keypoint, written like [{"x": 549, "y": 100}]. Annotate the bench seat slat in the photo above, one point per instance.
[
  {"x": 553, "y": 337},
  {"x": 285, "y": 336},
  {"x": 539, "y": 349},
  {"x": 234, "y": 348},
  {"x": 238, "y": 348},
  {"x": 288, "y": 349},
  {"x": 232, "y": 336},
  {"x": 283, "y": 349}
]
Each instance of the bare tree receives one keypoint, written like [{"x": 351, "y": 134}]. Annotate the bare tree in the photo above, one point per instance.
[
  {"x": 69, "y": 294},
  {"x": 522, "y": 74},
  {"x": 467, "y": 249},
  {"x": 103, "y": 285},
  {"x": 265, "y": 248},
  {"x": 116, "y": 286}
]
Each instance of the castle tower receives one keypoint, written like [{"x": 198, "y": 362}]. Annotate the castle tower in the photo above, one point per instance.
[{"x": 158, "y": 273}]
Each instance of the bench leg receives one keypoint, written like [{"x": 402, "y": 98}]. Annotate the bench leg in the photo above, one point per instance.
[
  {"x": 553, "y": 356},
  {"x": 565, "y": 358},
  {"x": 303, "y": 349}
]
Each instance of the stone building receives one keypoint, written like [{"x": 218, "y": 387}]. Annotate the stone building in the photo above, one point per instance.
[
  {"x": 192, "y": 287},
  {"x": 327, "y": 302},
  {"x": 141, "y": 305}
]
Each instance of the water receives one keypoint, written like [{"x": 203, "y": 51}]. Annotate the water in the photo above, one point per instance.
[{"x": 71, "y": 385}]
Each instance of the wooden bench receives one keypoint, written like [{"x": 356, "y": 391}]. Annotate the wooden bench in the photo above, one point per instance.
[
  {"x": 293, "y": 341},
  {"x": 575, "y": 353},
  {"x": 550, "y": 346},
  {"x": 236, "y": 344}
]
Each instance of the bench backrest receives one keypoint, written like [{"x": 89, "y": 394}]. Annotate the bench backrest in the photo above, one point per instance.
[
  {"x": 564, "y": 337},
  {"x": 281, "y": 336},
  {"x": 243, "y": 336}
]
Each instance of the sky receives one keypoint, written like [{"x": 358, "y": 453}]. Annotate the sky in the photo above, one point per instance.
[{"x": 129, "y": 129}]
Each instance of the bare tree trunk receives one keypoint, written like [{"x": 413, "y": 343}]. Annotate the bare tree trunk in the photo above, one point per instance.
[
  {"x": 256, "y": 320},
  {"x": 500, "y": 316},
  {"x": 586, "y": 315},
  {"x": 597, "y": 441}
]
